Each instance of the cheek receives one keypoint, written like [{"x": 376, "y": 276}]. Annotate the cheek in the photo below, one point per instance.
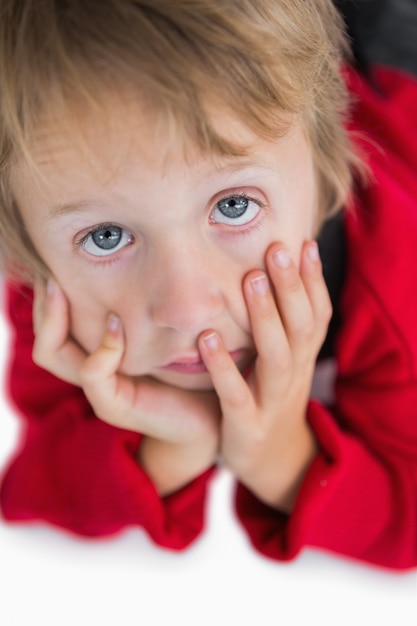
[
  {"x": 247, "y": 257},
  {"x": 88, "y": 320},
  {"x": 90, "y": 302},
  {"x": 298, "y": 225}
]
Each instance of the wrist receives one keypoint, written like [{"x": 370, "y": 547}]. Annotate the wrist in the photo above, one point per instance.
[
  {"x": 279, "y": 476},
  {"x": 171, "y": 466}
]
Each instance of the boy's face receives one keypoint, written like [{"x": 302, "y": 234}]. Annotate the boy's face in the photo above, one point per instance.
[{"x": 162, "y": 240}]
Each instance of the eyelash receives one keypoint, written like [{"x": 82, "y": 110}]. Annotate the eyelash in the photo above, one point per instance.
[
  {"x": 104, "y": 260},
  {"x": 250, "y": 226},
  {"x": 242, "y": 230}
]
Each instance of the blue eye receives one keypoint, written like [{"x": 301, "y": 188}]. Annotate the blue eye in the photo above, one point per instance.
[
  {"x": 235, "y": 211},
  {"x": 105, "y": 240}
]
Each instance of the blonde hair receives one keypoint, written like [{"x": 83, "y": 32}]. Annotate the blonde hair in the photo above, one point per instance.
[{"x": 259, "y": 59}]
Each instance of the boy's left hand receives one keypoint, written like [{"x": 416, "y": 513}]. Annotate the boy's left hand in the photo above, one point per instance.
[{"x": 265, "y": 438}]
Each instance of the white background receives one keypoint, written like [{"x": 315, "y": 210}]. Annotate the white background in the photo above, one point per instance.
[{"x": 48, "y": 578}]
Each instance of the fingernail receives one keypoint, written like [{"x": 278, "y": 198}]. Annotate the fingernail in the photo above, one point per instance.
[
  {"x": 113, "y": 324},
  {"x": 259, "y": 284},
  {"x": 281, "y": 258},
  {"x": 211, "y": 341},
  {"x": 313, "y": 251}
]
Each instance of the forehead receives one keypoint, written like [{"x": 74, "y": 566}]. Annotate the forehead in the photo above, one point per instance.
[
  {"x": 124, "y": 142},
  {"x": 103, "y": 140},
  {"x": 114, "y": 119}
]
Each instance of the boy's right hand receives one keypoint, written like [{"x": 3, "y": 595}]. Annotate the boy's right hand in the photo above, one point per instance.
[{"x": 161, "y": 412}]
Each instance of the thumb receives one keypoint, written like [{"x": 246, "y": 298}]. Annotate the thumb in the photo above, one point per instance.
[{"x": 104, "y": 362}]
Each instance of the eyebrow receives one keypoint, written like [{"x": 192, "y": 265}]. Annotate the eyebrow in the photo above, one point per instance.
[{"x": 63, "y": 209}]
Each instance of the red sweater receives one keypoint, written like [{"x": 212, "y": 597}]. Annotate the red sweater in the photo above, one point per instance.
[{"x": 359, "y": 497}]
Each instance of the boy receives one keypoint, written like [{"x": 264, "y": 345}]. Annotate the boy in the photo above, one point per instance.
[{"x": 166, "y": 168}]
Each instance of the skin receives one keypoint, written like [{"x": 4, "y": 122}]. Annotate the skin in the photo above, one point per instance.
[{"x": 245, "y": 296}]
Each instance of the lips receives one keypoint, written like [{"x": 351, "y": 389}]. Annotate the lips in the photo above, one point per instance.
[
  {"x": 185, "y": 367},
  {"x": 193, "y": 364}
]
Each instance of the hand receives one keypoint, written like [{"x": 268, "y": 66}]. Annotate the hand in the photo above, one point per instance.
[
  {"x": 166, "y": 415},
  {"x": 265, "y": 439}
]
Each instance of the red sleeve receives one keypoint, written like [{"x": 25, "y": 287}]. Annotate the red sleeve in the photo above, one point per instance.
[
  {"x": 359, "y": 497},
  {"x": 75, "y": 471}
]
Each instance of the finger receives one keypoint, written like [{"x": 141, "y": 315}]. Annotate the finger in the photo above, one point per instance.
[
  {"x": 111, "y": 395},
  {"x": 102, "y": 364},
  {"x": 233, "y": 392},
  {"x": 53, "y": 349},
  {"x": 274, "y": 354},
  {"x": 292, "y": 300},
  {"x": 312, "y": 276},
  {"x": 52, "y": 315}
]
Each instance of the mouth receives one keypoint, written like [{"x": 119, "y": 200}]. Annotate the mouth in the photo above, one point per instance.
[{"x": 193, "y": 364}]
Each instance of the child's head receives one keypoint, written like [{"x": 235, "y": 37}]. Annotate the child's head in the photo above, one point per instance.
[{"x": 151, "y": 151}]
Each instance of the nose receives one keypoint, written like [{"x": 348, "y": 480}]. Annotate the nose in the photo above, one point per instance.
[{"x": 187, "y": 296}]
